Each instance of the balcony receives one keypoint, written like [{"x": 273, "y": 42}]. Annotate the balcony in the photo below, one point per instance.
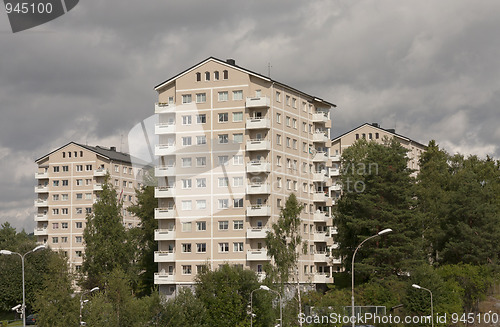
[
  {"x": 320, "y": 197},
  {"x": 320, "y": 156},
  {"x": 320, "y": 118},
  {"x": 164, "y": 256},
  {"x": 320, "y": 237},
  {"x": 41, "y": 203},
  {"x": 320, "y": 177},
  {"x": 161, "y": 279},
  {"x": 320, "y": 137},
  {"x": 164, "y": 235},
  {"x": 258, "y": 145},
  {"x": 258, "y": 188},
  {"x": 42, "y": 175},
  {"x": 321, "y": 216},
  {"x": 164, "y": 192},
  {"x": 41, "y": 231},
  {"x": 258, "y": 123},
  {"x": 332, "y": 230},
  {"x": 258, "y": 102},
  {"x": 164, "y": 128},
  {"x": 334, "y": 172},
  {"x": 163, "y": 108},
  {"x": 258, "y": 167},
  {"x": 164, "y": 150},
  {"x": 336, "y": 187},
  {"x": 41, "y": 189},
  {"x": 164, "y": 171},
  {"x": 257, "y": 255},
  {"x": 320, "y": 257},
  {"x": 100, "y": 172},
  {"x": 41, "y": 217},
  {"x": 320, "y": 278},
  {"x": 97, "y": 187},
  {"x": 259, "y": 211},
  {"x": 257, "y": 232},
  {"x": 336, "y": 261},
  {"x": 335, "y": 158},
  {"x": 164, "y": 213}
]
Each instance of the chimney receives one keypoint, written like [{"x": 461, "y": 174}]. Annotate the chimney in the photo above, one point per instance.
[
  {"x": 113, "y": 148},
  {"x": 232, "y": 62},
  {"x": 375, "y": 125},
  {"x": 391, "y": 130}
]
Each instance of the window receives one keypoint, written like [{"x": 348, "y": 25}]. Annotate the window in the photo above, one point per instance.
[
  {"x": 186, "y": 120},
  {"x": 357, "y": 136},
  {"x": 287, "y": 142},
  {"x": 238, "y": 203},
  {"x": 79, "y": 196},
  {"x": 55, "y": 225},
  {"x": 186, "y": 227},
  {"x": 65, "y": 182},
  {"x": 117, "y": 169},
  {"x": 186, "y": 269},
  {"x": 65, "y": 168},
  {"x": 370, "y": 136},
  {"x": 55, "y": 197},
  {"x": 79, "y": 211},
  {"x": 278, "y": 118},
  {"x": 187, "y": 205},
  {"x": 186, "y": 183},
  {"x": 201, "y": 97},
  {"x": 201, "y": 204},
  {"x": 186, "y": 162},
  {"x": 201, "y": 247},
  {"x": 64, "y": 239},
  {"x": 278, "y": 203},
  {"x": 280, "y": 183},
  {"x": 64, "y": 225},
  {"x": 238, "y": 95},
  {"x": 88, "y": 196},
  {"x": 223, "y": 117},
  {"x": 201, "y": 182},
  {"x": 171, "y": 99},
  {"x": 294, "y": 144},
  {"x": 124, "y": 170},
  {"x": 55, "y": 240},
  {"x": 207, "y": 76},
  {"x": 278, "y": 96},
  {"x": 201, "y": 119},
  {"x": 294, "y": 103},
  {"x": 294, "y": 123},
  {"x": 223, "y": 138},
  {"x": 88, "y": 210},
  {"x": 78, "y": 239},
  {"x": 186, "y": 247},
  {"x": 201, "y": 139},
  {"x": 78, "y": 224},
  {"x": 238, "y": 247},
  {"x": 186, "y": 140},
  {"x": 201, "y": 161},
  {"x": 78, "y": 254},
  {"x": 223, "y": 203},
  {"x": 186, "y": 98},
  {"x": 201, "y": 225},
  {"x": 237, "y": 181},
  {"x": 223, "y": 160},
  {"x": 223, "y": 96},
  {"x": 223, "y": 225},
  {"x": 238, "y": 160},
  {"x": 287, "y": 120},
  {"x": 223, "y": 181},
  {"x": 56, "y": 169},
  {"x": 225, "y": 74},
  {"x": 216, "y": 76},
  {"x": 64, "y": 211},
  {"x": 238, "y": 224},
  {"x": 238, "y": 138},
  {"x": 198, "y": 77},
  {"x": 223, "y": 247},
  {"x": 304, "y": 127},
  {"x": 278, "y": 139},
  {"x": 376, "y": 136},
  {"x": 237, "y": 116},
  {"x": 79, "y": 167},
  {"x": 304, "y": 147},
  {"x": 55, "y": 211},
  {"x": 287, "y": 98},
  {"x": 278, "y": 161},
  {"x": 79, "y": 182}
]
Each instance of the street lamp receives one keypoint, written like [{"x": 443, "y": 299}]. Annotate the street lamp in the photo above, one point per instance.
[
  {"x": 432, "y": 305},
  {"x": 7, "y": 252},
  {"x": 265, "y": 288},
  {"x": 82, "y": 302},
  {"x": 385, "y": 231}
]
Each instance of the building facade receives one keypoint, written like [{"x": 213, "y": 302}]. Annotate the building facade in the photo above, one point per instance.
[
  {"x": 232, "y": 146},
  {"x": 68, "y": 182}
]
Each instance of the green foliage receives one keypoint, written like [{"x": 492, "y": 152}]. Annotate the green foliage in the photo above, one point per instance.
[
  {"x": 378, "y": 194},
  {"x": 106, "y": 246},
  {"x": 284, "y": 243},
  {"x": 185, "y": 310},
  {"x": 143, "y": 238},
  {"x": 54, "y": 304}
]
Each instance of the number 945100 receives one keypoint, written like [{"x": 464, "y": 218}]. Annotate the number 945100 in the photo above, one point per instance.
[{"x": 28, "y": 8}]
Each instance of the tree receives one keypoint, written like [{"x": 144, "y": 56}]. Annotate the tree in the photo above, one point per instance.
[
  {"x": 143, "y": 237},
  {"x": 54, "y": 304},
  {"x": 378, "y": 193},
  {"x": 106, "y": 246},
  {"x": 185, "y": 310}
]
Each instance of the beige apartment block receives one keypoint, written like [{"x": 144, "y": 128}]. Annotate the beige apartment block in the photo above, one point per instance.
[
  {"x": 370, "y": 132},
  {"x": 232, "y": 146},
  {"x": 68, "y": 182}
]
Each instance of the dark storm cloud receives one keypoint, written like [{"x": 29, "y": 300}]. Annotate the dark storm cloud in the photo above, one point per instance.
[{"x": 428, "y": 68}]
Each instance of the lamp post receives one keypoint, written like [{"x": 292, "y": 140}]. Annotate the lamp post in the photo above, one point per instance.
[
  {"x": 7, "y": 252},
  {"x": 82, "y": 301},
  {"x": 385, "y": 231},
  {"x": 432, "y": 305},
  {"x": 265, "y": 288}
]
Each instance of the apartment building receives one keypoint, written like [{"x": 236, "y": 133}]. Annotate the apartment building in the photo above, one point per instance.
[
  {"x": 370, "y": 132},
  {"x": 232, "y": 146},
  {"x": 68, "y": 182}
]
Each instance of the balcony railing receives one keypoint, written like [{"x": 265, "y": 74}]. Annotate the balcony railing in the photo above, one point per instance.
[
  {"x": 97, "y": 187},
  {"x": 335, "y": 158},
  {"x": 258, "y": 123},
  {"x": 163, "y": 171},
  {"x": 334, "y": 172},
  {"x": 320, "y": 117},
  {"x": 257, "y": 255},
  {"x": 164, "y": 192},
  {"x": 41, "y": 203},
  {"x": 320, "y": 257},
  {"x": 258, "y": 167},
  {"x": 100, "y": 172},
  {"x": 42, "y": 175},
  {"x": 164, "y": 256},
  {"x": 40, "y": 231},
  {"x": 257, "y": 102},
  {"x": 164, "y": 128},
  {"x": 320, "y": 197},
  {"x": 320, "y": 137},
  {"x": 161, "y": 108},
  {"x": 258, "y": 211},
  {"x": 164, "y": 235},
  {"x": 164, "y": 149},
  {"x": 41, "y": 217},
  {"x": 321, "y": 216},
  {"x": 320, "y": 176},
  {"x": 41, "y": 189},
  {"x": 322, "y": 278},
  {"x": 257, "y": 232},
  {"x": 320, "y": 236},
  {"x": 164, "y": 213},
  {"x": 336, "y": 187},
  {"x": 257, "y": 188},
  {"x": 320, "y": 156},
  {"x": 164, "y": 278},
  {"x": 258, "y": 145}
]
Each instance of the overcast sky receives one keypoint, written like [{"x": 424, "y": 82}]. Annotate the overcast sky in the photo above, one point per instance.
[{"x": 428, "y": 68}]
